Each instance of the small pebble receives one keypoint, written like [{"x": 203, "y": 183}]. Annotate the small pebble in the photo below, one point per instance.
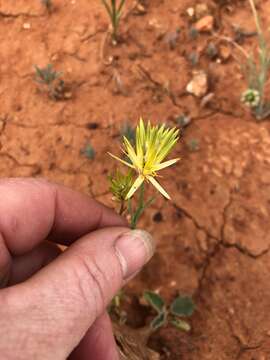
[
  {"x": 198, "y": 86},
  {"x": 191, "y": 12},
  {"x": 26, "y": 26},
  {"x": 205, "y": 24}
]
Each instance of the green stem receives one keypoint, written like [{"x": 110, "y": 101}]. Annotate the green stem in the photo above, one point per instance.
[
  {"x": 256, "y": 17},
  {"x": 142, "y": 205},
  {"x": 263, "y": 59},
  {"x": 122, "y": 207}
]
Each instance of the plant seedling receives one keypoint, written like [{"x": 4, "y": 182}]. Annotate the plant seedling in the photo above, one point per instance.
[
  {"x": 114, "y": 9},
  {"x": 172, "y": 38},
  {"x": 181, "y": 307},
  {"x": 115, "y": 307},
  {"x": 193, "y": 58},
  {"x": 194, "y": 145},
  {"x": 193, "y": 33},
  {"x": 88, "y": 151},
  {"x": 183, "y": 120},
  {"x": 257, "y": 74},
  {"x": 212, "y": 51},
  {"x": 128, "y": 132},
  {"x": 145, "y": 158},
  {"x": 47, "y": 77}
]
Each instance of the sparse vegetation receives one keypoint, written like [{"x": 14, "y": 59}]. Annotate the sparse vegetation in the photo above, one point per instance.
[
  {"x": 47, "y": 77},
  {"x": 193, "y": 145},
  {"x": 88, "y": 151},
  {"x": 257, "y": 71},
  {"x": 114, "y": 9},
  {"x": 193, "y": 58},
  {"x": 212, "y": 51},
  {"x": 181, "y": 307},
  {"x": 128, "y": 131},
  {"x": 193, "y": 33},
  {"x": 51, "y": 83}
]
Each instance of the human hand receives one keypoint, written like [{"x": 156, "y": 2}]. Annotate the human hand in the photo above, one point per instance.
[{"x": 51, "y": 302}]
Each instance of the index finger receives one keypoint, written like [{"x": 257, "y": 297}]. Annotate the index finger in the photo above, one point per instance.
[{"x": 32, "y": 210}]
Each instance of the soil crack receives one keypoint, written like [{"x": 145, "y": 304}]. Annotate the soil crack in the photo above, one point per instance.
[{"x": 16, "y": 15}]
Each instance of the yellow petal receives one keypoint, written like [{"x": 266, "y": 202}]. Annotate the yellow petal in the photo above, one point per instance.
[
  {"x": 137, "y": 183},
  {"x": 158, "y": 187},
  {"x": 122, "y": 161},
  {"x": 131, "y": 153},
  {"x": 165, "y": 164}
]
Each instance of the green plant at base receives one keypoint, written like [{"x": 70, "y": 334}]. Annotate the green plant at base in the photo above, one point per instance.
[
  {"x": 142, "y": 205},
  {"x": 47, "y": 76},
  {"x": 129, "y": 132},
  {"x": 88, "y": 151},
  {"x": 114, "y": 9},
  {"x": 114, "y": 308},
  {"x": 194, "y": 145},
  {"x": 180, "y": 308},
  {"x": 193, "y": 33},
  {"x": 257, "y": 74}
]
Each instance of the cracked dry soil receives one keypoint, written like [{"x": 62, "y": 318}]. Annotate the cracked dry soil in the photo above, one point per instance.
[{"x": 214, "y": 238}]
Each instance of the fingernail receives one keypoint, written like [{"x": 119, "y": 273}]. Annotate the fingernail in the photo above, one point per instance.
[{"x": 134, "y": 249}]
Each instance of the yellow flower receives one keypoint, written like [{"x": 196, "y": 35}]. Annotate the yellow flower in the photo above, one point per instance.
[{"x": 153, "y": 144}]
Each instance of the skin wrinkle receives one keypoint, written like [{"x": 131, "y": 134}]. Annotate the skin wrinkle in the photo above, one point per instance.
[{"x": 94, "y": 279}]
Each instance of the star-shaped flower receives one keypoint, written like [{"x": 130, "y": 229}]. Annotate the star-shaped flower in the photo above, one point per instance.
[{"x": 153, "y": 144}]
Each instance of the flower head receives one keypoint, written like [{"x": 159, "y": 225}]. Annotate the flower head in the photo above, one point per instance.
[
  {"x": 251, "y": 98},
  {"x": 120, "y": 184},
  {"x": 153, "y": 144}
]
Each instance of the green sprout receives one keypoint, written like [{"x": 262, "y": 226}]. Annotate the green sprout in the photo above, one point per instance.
[
  {"x": 88, "y": 151},
  {"x": 144, "y": 157},
  {"x": 194, "y": 58},
  {"x": 212, "y": 51},
  {"x": 257, "y": 73},
  {"x": 114, "y": 9},
  {"x": 128, "y": 131},
  {"x": 181, "y": 307},
  {"x": 47, "y": 77},
  {"x": 115, "y": 307},
  {"x": 194, "y": 145},
  {"x": 193, "y": 33}
]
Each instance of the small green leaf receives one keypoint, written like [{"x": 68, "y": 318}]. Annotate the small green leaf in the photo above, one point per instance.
[
  {"x": 182, "y": 306},
  {"x": 155, "y": 301},
  {"x": 181, "y": 324},
  {"x": 159, "y": 321},
  {"x": 88, "y": 151}
]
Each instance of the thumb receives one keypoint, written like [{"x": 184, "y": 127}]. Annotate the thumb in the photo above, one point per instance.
[{"x": 56, "y": 307}]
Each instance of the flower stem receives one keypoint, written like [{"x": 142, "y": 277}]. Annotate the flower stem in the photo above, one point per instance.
[{"x": 122, "y": 207}]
